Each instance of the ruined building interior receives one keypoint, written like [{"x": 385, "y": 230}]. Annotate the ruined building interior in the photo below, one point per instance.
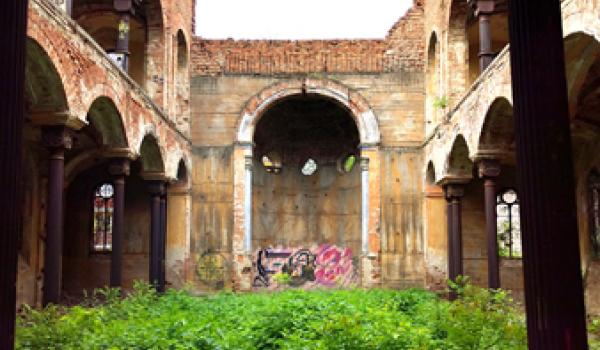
[{"x": 152, "y": 154}]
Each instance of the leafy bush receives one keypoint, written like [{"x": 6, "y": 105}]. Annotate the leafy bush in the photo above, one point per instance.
[
  {"x": 292, "y": 320},
  {"x": 594, "y": 331}
]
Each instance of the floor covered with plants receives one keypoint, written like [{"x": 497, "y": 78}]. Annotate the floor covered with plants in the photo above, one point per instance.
[{"x": 292, "y": 319}]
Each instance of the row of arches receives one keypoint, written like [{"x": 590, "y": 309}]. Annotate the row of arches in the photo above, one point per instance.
[
  {"x": 68, "y": 160},
  {"x": 472, "y": 141}
]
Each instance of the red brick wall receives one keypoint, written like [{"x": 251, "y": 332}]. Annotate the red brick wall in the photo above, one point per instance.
[{"x": 401, "y": 50}]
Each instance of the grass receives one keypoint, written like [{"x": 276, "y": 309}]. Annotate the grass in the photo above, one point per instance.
[{"x": 292, "y": 319}]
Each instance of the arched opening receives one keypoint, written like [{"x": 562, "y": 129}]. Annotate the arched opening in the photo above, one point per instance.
[
  {"x": 309, "y": 209},
  {"x": 143, "y": 26},
  {"x": 459, "y": 164},
  {"x": 44, "y": 97},
  {"x": 151, "y": 159},
  {"x": 44, "y": 91},
  {"x": 497, "y": 134},
  {"x": 499, "y": 37},
  {"x": 182, "y": 83},
  {"x": 106, "y": 119},
  {"x": 435, "y": 102},
  {"x": 457, "y": 58},
  {"x": 582, "y": 54},
  {"x": 105, "y": 25}
]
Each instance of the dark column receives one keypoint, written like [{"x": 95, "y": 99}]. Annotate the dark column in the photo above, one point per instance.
[
  {"x": 489, "y": 170},
  {"x": 13, "y": 22},
  {"x": 122, "y": 46},
  {"x": 551, "y": 258},
  {"x": 454, "y": 194},
  {"x": 119, "y": 169},
  {"x": 157, "y": 189},
  {"x": 162, "y": 244},
  {"x": 484, "y": 10},
  {"x": 57, "y": 139}
]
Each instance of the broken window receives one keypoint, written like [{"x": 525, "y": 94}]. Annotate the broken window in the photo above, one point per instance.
[
  {"x": 508, "y": 224},
  {"x": 309, "y": 167},
  {"x": 103, "y": 218}
]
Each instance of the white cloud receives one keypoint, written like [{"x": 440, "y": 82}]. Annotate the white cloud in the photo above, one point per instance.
[{"x": 301, "y": 19}]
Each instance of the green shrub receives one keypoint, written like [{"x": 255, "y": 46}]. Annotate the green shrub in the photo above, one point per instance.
[{"x": 293, "y": 320}]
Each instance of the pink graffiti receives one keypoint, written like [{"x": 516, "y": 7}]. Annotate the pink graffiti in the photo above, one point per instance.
[{"x": 334, "y": 265}]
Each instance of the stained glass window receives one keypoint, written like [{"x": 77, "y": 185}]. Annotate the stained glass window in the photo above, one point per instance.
[
  {"x": 509, "y": 224},
  {"x": 103, "y": 218},
  {"x": 594, "y": 210}
]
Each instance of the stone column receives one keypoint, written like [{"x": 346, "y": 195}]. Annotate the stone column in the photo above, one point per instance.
[
  {"x": 248, "y": 205},
  {"x": 489, "y": 170},
  {"x": 364, "y": 218},
  {"x": 13, "y": 24},
  {"x": 156, "y": 189},
  {"x": 119, "y": 169},
  {"x": 551, "y": 257},
  {"x": 57, "y": 139},
  {"x": 454, "y": 194},
  {"x": 484, "y": 10}
]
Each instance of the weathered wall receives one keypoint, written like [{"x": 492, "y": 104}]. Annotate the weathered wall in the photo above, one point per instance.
[{"x": 402, "y": 240}]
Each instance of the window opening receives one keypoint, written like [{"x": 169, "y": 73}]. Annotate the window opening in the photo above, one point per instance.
[
  {"x": 310, "y": 167},
  {"x": 509, "y": 224},
  {"x": 103, "y": 218}
]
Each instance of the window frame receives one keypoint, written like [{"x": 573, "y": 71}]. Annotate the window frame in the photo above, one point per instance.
[
  {"x": 511, "y": 229},
  {"x": 92, "y": 232}
]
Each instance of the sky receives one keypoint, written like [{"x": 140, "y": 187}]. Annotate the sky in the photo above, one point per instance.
[{"x": 301, "y": 19}]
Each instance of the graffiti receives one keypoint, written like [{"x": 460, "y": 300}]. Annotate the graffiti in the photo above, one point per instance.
[
  {"x": 323, "y": 266},
  {"x": 211, "y": 270}
]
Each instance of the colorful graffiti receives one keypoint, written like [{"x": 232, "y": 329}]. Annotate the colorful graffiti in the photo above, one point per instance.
[{"x": 322, "y": 266}]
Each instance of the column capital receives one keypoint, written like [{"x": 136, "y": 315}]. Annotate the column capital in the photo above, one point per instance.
[
  {"x": 482, "y": 7},
  {"x": 119, "y": 167},
  {"x": 454, "y": 191},
  {"x": 57, "y": 137},
  {"x": 156, "y": 187},
  {"x": 489, "y": 168}
]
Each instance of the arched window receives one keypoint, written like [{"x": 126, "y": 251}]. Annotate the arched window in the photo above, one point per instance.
[
  {"x": 508, "y": 224},
  {"x": 594, "y": 210},
  {"x": 103, "y": 218}
]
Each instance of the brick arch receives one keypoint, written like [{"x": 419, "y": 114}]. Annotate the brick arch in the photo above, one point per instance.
[
  {"x": 363, "y": 115},
  {"x": 156, "y": 161},
  {"x": 174, "y": 159},
  {"x": 45, "y": 43}
]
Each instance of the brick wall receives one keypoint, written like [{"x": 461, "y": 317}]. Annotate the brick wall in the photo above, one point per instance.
[{"x": 401, "y": 50}]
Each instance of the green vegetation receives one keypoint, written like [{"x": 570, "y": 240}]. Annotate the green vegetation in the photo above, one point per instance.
[{"x": 293, "y": 319}]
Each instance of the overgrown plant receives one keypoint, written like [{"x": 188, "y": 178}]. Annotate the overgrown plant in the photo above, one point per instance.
[{"x": 292, "y": 319}]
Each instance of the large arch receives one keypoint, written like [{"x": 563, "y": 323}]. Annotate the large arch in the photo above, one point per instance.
[
  {"x": 370, "y": 186},
  {"x": 367, "y": 123},
  {"x": 457, "y": 56},
  {"x": 581, "y": 51}
]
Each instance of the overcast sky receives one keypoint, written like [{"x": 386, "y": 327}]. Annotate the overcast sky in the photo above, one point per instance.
[{"x": 300, "y": 19}]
